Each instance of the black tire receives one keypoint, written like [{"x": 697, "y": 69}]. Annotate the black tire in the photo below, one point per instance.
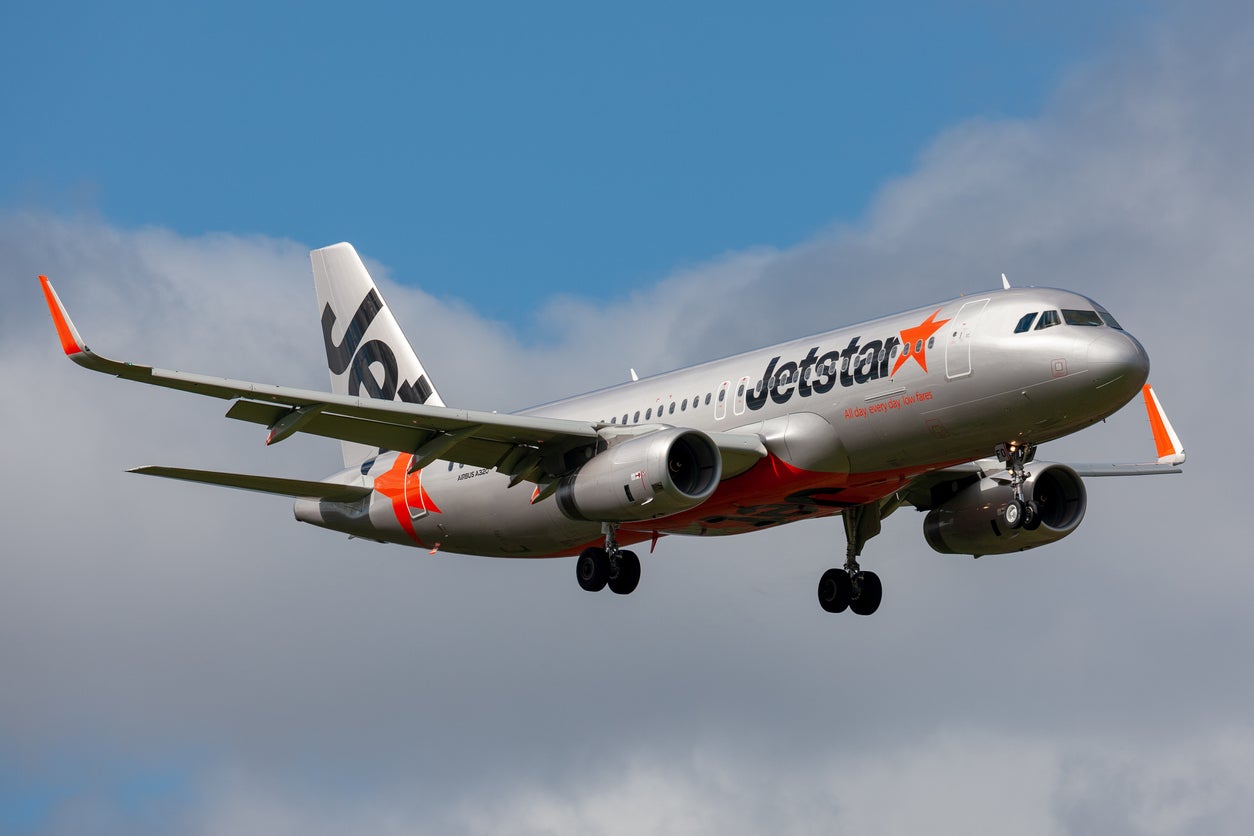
[
  {"x": 1012, "y": 514},
  {"x": 625, "y": 580},
  {"x": 868, "y": 592},
  {"x": 1031, "y": 516},
  {"x": 593, "y": 569},
  {"x": 835, "y": 590}
]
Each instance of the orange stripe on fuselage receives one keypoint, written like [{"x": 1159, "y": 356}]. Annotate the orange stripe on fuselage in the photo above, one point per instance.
[
  {"x": 772, "y": 493},
  {"x": 68, "y": 343}
]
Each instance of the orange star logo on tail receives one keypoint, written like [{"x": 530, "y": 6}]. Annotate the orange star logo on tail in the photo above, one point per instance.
[{"x": 915, "y": 341}]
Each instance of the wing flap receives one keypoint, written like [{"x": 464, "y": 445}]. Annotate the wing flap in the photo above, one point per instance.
[{"x": 261, "y": 484}]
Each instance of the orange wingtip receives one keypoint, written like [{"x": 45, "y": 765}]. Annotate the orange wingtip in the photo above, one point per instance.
[
  {"x": 70, "y": 342},
  {"x": 1165, "y": 440}
]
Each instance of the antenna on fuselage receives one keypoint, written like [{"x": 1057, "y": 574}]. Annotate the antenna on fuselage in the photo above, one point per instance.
[
  {"x": 634, "y": 376},
  {"x": 1005, "y": 282}
]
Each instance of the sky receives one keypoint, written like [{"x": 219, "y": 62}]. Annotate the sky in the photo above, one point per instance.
[{"x": 548, "y": 198}]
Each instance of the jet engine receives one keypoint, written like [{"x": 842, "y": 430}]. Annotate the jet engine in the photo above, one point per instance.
[
  {"x": 971, "y": 523},
  {"x": 643, "y": 478}
]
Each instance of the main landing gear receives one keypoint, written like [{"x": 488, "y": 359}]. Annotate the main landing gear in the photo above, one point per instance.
[
  {"x": 849, "y": 587},
  {"x": 1019, "y": 511},
  {"x": 612, "y": 566}
]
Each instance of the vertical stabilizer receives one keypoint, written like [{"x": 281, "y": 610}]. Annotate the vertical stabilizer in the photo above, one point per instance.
[{"x": 367, "y": 354}]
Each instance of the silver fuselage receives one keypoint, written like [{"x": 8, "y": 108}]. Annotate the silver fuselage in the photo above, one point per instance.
[{"x": 848, "y": 416}]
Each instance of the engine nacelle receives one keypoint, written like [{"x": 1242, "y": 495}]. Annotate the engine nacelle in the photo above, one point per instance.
[
  {"x": 971, "y": 522},
  {"x": 643, "y": 478}
]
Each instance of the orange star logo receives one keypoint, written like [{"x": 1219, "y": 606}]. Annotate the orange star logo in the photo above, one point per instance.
[
  {"x": 915, "y": 341},
  {"x": 392, "y": 485}
]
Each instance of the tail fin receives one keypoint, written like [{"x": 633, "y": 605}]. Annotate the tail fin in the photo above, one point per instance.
[{"x": 367, "y": 354}]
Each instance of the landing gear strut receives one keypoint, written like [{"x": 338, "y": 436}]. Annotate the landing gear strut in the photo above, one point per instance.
[
  {"x": 598, "y": 567},
  {"x": 849, "y": 587},
  {"x": 1019, "y": 511}
]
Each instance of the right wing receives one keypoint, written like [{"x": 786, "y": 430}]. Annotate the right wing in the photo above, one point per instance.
[
  {"x": 527, "y": 448},
  {"x": 931, "y": 489}
]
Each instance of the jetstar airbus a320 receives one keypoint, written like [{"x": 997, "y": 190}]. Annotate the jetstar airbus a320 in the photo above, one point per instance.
[{"x": 940, "y": 408}]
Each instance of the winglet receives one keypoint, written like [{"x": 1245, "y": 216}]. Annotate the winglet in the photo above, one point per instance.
[
  {"x": 71, "y": 342},
  {"x": 1170, "y": 450}
]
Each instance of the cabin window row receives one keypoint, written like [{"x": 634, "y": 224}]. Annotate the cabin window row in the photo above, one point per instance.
[{"x": 634, "y": 418}]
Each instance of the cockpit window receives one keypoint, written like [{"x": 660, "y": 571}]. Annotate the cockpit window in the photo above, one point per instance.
[
  {"x": 1025, "y": 323},
  {"x": 1108, "y": 319},
  {"x": 1048, "y": 319},
  {"x": 1081, "y": 317}
]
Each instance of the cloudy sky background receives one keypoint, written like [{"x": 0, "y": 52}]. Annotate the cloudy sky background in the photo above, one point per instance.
[{"x": 180, "y": 658}]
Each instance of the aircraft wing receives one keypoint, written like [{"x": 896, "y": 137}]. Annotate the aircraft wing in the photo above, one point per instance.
[
  {"x": 926, "y": 491},
  {"x": 520, "y": 446}
]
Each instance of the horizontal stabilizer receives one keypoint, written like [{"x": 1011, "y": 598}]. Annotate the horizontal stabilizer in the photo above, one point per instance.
[{"x": 263, "y": 484}]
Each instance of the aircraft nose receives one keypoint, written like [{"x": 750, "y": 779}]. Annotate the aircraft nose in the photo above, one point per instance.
[{"x": 1117, "y": 357}]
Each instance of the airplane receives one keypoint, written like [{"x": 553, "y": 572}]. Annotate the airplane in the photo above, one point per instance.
[{"x": 941, "y": 408}]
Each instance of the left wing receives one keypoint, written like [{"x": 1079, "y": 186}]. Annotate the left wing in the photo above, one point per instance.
[{"x": 525, "y": 447}]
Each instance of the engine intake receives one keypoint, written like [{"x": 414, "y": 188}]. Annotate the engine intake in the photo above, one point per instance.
[
  {"x": 971, "y": 523},
  {"x": 643, "y": 478}
]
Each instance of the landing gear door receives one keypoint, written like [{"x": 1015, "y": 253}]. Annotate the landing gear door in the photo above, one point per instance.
[{"x": 961, "y": 333}]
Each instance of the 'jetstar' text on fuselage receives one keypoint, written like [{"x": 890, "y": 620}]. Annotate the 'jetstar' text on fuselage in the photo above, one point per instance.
[{"x": 856, "y": 363}]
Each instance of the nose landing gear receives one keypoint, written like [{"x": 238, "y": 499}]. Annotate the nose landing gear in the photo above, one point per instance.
[{"x": 1019, "y": 511}]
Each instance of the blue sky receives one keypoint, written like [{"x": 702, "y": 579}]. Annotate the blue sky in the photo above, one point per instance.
[{"x": 507, "y": 152}]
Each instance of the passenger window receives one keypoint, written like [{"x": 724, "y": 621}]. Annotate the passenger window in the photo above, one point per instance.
[
  {"x": 931, "y": 342},
  {"x": 1025, "y": 323},
  {"x": 740, "y": 393},
  {"x": 624, "y": 417},
  {"x": 1048, "y": 320},
  {"x": 1081, "y": 317},
  {"x": 672, "y": 409},
  {"x": 683, "y": 407},
  {"x": 648, "y": 413},
  {"x": 722, "y": 395},
  {"x": 636, "y": 419},
  {"x": 707, "y": 398}
]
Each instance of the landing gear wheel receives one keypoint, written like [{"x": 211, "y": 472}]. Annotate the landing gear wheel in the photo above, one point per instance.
[
  {"x": 593, "y": 569},
  {"x": 1013, "y": 514},
  {"x": 867, "y": 593},
  {"x": 625, "y": 574},
  {"x": 1031, "y": 516},
  {"x": 835, "y": 590}
]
